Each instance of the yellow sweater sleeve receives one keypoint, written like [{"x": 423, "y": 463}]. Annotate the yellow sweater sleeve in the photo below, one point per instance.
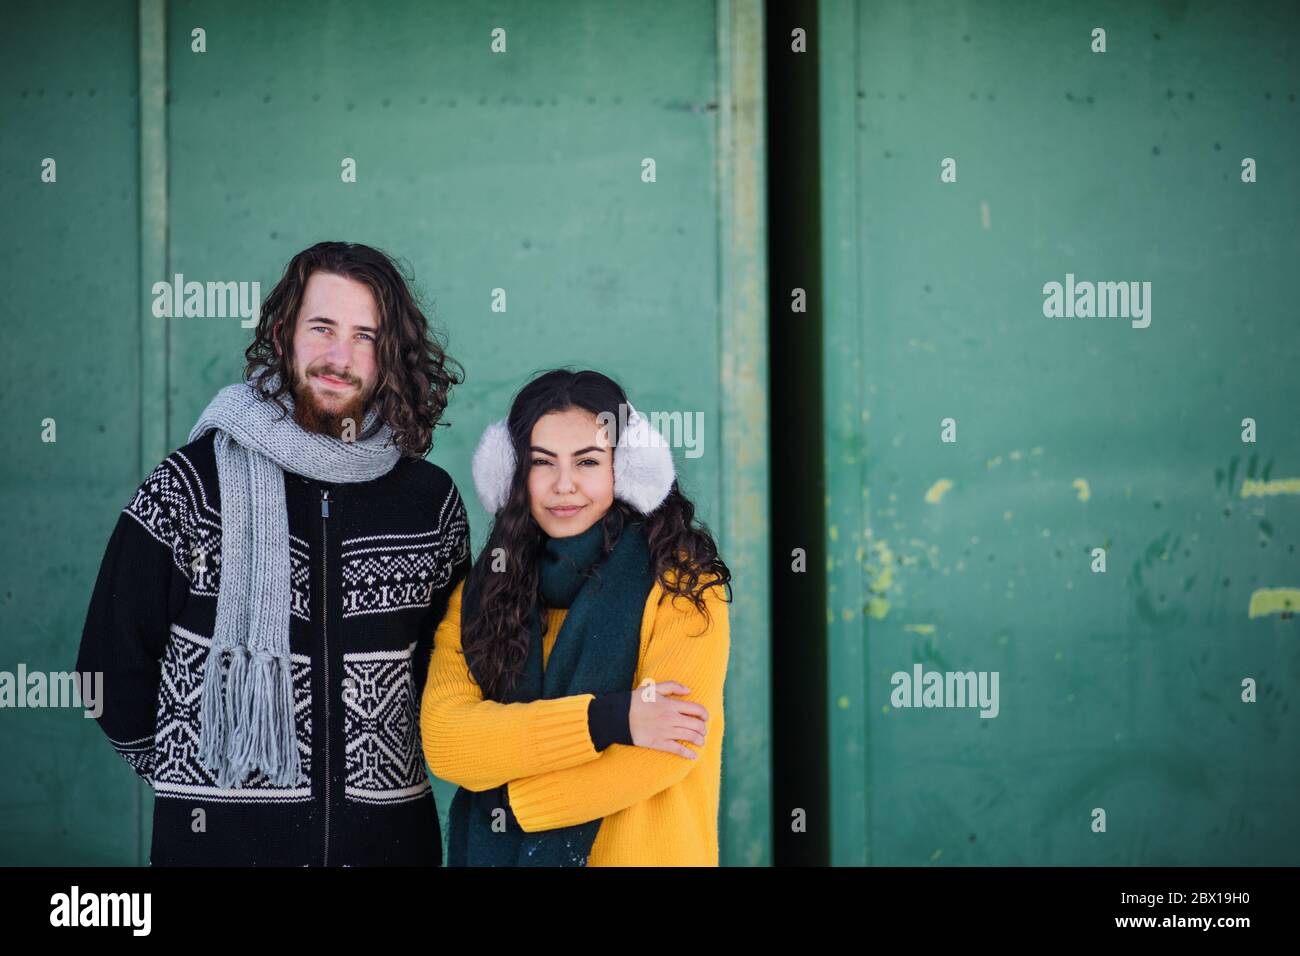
[
  {"x": 683, "y": 647},
  {"x": 480, "y": 744}
]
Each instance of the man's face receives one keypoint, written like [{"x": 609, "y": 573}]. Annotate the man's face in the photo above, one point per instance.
[{"x": 335, "y": 366}]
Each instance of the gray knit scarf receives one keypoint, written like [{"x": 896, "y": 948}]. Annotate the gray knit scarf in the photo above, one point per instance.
[{"x": 246, "y": 712}]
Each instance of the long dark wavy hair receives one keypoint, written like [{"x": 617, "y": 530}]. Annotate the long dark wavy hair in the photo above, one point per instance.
[
  {"x": 415, "y": 373},
  {"x": 683, "y": 554}
]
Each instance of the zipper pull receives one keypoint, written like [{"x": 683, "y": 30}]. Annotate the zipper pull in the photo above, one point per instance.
[{"x": 324, "y": 504}]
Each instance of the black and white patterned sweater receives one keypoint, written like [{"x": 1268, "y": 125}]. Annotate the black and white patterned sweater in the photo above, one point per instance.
[{"x": 373, "y": 565}]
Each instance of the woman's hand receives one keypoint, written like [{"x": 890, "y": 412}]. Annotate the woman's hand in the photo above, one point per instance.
[{"x": 659, "y": 721}]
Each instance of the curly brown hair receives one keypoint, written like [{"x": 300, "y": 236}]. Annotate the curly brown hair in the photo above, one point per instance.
[
  {"x": 683, "y": 553},
  {"x": 415, "y": 373}
]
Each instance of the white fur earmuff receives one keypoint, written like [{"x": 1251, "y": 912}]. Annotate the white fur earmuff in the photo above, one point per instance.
[
  {"x": 493, "y": 466},
  {"x": 643, "y": 465}
]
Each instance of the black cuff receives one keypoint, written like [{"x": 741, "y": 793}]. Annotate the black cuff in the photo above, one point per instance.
[{"x": 608, "y": 719}]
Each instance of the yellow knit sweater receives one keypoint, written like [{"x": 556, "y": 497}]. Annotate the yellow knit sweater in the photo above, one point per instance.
[{"x": 658, "y": 809}]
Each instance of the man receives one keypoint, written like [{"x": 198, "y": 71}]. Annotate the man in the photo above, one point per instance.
[{"x": 265, "y": 610}]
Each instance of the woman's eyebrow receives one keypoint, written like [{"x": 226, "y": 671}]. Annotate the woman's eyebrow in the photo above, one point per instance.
[{"x": 580, "y": 451}]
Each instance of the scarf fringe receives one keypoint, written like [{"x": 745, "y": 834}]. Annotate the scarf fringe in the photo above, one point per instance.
[{"x": 247, "y": 718}]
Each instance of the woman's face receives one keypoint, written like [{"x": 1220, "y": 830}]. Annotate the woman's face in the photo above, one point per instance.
[{"x": 571, "y": 472}]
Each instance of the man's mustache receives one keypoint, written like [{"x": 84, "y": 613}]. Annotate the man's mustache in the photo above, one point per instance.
[{"x": 341, "y": 376}]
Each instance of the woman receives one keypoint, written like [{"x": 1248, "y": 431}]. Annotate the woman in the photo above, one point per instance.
[{"x": 595, "y": 581}]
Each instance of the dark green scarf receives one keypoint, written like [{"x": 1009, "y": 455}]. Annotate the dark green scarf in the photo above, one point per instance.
[{"x": 595, "y": 652}]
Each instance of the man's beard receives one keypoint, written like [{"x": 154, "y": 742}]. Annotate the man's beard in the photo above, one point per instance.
[{"x": 313, "y": 417}]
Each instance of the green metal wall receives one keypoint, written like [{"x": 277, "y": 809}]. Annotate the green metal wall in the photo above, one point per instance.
[
  {"x": 71, "y": 309},
  {"x": 1121, "y": 690},
  {"x": 1118, "y": 690},
  {"x": 520, "y": 171}
]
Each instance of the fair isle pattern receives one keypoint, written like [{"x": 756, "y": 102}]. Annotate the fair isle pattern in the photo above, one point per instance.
[
  {"x": 208, "y": 574},
  {"x": 137, "y": 753},
  {"x": 174, "y": 508},
  {"x": 391, "y": 572},
  {"x": 300, "y": 577},
  {"x": 384, "y": 759},
  {"x": 177, "y": 770}
]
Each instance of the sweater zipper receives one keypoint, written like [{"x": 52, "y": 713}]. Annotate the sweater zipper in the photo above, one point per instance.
[{"x": 324, "y": 599}]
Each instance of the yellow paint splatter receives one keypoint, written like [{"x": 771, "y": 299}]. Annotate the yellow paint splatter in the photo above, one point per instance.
[
  {"x": 1081, "y": 486},
  {"x": 919, "y": 628},
  {"x": 1015, "y": 454},
  {"x": 937, "y": 491},
  {"x": 884, "y": 708},
  {"x": 1278, "y": 486},
  {"x": 935, "y": 855},
  {"x": 882, "y": 573},
  {"x": 843, "y": 702},
  {"x": 1266, "y": 601},
  {"x": 989, "y": 463},
  {"x": 834, "y": 532},
  {"x": 880, "y": 579}
]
